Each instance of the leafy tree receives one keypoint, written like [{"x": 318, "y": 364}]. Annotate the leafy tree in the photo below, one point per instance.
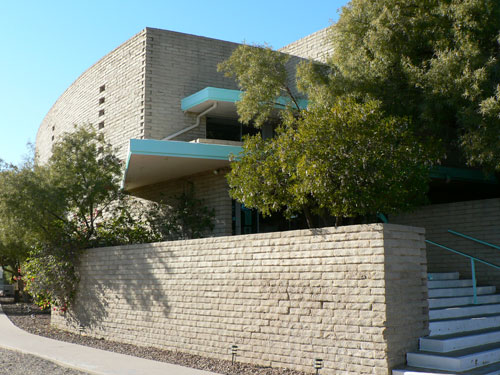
[
  {"x": 420, "y": 76},
  {"x": 50, "y": 213},
  {"x": 434, "y": 61},
  {"x": 340, "y": 157},
  {"x": 57, "y": 208}
]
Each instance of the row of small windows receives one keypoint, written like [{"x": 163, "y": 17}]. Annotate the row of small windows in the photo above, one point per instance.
[{"x": 102, "y": 100}]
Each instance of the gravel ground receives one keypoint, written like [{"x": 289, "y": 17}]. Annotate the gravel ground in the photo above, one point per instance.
[
  {"x": 15, "y": 363},
  {"x": 31, "y": 319}
]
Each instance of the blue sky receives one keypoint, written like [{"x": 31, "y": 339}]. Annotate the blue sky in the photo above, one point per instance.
[{"x": 46, "y": 45}]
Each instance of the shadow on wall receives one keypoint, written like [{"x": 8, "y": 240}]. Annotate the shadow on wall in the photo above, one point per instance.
[
  {"x": 405, "y": 270},
  {"x": 118, "y": 282}
]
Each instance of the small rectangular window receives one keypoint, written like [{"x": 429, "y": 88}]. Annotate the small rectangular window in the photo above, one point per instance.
[
  {"x": 101, "y": 125},
  {"x": 101, "y": 112},
  {"x": 102, "y": 88},
  {"x": 101, "y": 100}
]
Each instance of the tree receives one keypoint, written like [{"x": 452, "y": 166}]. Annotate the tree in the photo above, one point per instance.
[
  {"x": 57, "y": 209},
  {"x": 434, "y": 61},
  {"x": 341, "y": 156},
  {"x": 50, "y": 213}
]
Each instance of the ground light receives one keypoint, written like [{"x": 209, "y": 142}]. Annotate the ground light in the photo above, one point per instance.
[
  {"x": 318, "y": 365},
  {"x": 234, "y": 351}
]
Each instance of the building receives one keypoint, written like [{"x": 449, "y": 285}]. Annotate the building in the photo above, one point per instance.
[{"x": 159, "y": 99}]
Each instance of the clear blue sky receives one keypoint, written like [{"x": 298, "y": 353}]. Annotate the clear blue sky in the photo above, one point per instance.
[{"x": 46, "y": 45}]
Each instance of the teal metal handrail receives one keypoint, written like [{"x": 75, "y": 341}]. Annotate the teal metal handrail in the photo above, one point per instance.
[
  {"x": 473, "y": 239},
  {"x": 473, "y": 259}
]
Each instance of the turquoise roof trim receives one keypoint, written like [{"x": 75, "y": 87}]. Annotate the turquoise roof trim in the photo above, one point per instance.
[
  {"x": 210, "y": 93},
  {"x": 225, "y": 95},
  {"x": 462, "y": 174},
  {"x": 182, "y": 149}
]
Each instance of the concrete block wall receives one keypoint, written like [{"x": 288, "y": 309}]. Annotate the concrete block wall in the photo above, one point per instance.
[
  {"x": 179, "y": 65},
  {"x": 479, "y": 219},
  {"x": 210, "y": 187},
  {"x": 109, "y": 95},
  {"x": 354, "y": 296},
  {"x": 316, "y": 46}
]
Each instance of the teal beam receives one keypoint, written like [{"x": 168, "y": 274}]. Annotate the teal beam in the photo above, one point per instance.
[
  {"x": 462, "y": 174},
  {"x": 226, "y": 95}
]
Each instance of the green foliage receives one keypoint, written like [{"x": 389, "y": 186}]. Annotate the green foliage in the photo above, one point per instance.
[
  {"x": 50, "y": 212},
  {"x": 256, "y": 64},
  {"x": 183, "y": 217},
  {"x": 345, "y": 160},
  {"x": 50, "y": 276},
  {"x": 434, "y": 61},
  {"x": 124, "y": 227},
  {"x": 410, "y": 83}
]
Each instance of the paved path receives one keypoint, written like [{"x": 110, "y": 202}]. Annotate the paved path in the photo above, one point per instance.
[{"x": 94, "y": 361}]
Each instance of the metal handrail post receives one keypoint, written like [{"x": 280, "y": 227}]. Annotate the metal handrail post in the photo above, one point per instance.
[{"x": 474, "y": 287}]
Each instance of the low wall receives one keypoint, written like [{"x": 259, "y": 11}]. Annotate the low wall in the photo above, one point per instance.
[
  {"x": 354, "y": 296},
  {"x": 479, "y": 219}
]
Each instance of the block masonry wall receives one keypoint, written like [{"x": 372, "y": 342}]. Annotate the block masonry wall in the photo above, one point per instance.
[
  {"x": 479, "y": 219},
  {"x": 179, "y": 65},
  {"x": 316, "y": 46},
  {"x": 209, "y": 187},
  {"x": 354, "y": 296},
  {"x": 109, "y": 95}
]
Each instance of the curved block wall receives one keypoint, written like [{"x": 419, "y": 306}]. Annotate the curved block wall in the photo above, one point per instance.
[
  {"x": 108, "y": 95},
  {"x": 135, "y": 91}
]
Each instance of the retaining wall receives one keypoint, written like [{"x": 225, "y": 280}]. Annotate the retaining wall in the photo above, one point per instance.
[{"x": 354, "y": 296}]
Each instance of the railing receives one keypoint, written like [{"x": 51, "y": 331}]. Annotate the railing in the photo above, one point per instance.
[
  {"x": 473, "y": 239},
  {"x": 473, "y": 261}
]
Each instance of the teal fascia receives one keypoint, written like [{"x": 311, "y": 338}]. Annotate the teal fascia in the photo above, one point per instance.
[
  {"x": 208, "y": 94},
  {"x": 225, "y": 95},
  {"x": 182, "y": 149},
  {"x": 462, "y": 174}
]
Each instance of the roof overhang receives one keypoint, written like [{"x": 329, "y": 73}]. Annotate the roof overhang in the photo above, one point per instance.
[
  {"x": 152, "y": 161},
  {"x": 202, "y": 100},
  {"x": 226, "y": 101}
]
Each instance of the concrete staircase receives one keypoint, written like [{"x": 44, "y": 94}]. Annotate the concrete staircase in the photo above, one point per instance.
[{"x": 464, "y": 338}]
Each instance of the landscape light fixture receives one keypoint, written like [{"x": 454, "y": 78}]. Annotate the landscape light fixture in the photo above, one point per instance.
[
  {"x": 234, "y": 350},
  {"x": 318, "y": 365}
]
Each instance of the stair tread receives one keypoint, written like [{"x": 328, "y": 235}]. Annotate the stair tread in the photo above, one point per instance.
[
  {"x": 463, "y": 306},
  {"x": 463, "y": 334},
  {"x": 462, "y": 352},
  {"x": 469, "y": 317},
  {"x": 484, "y": 370}
]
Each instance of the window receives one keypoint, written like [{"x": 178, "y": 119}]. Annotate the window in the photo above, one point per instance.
[{"x": 228, "y": 129}]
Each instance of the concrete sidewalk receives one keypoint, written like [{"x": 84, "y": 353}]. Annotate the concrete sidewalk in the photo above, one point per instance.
[{"x": 94, "y": 361}]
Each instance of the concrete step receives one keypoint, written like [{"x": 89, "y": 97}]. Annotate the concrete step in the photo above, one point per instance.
[
  {"x": 460, "y": 360},
  {"x": 459, "y": 341},
  {"x": 433, "y": 284},
  {"x": 459, "y": 292},
  {"x": 463, "y": 311},
  {"x": 462, "y": 301},
  {"x": 443, "y": 276},
  {"x": 475, "y": 323},
  {"x": 493, "y": 369}
]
